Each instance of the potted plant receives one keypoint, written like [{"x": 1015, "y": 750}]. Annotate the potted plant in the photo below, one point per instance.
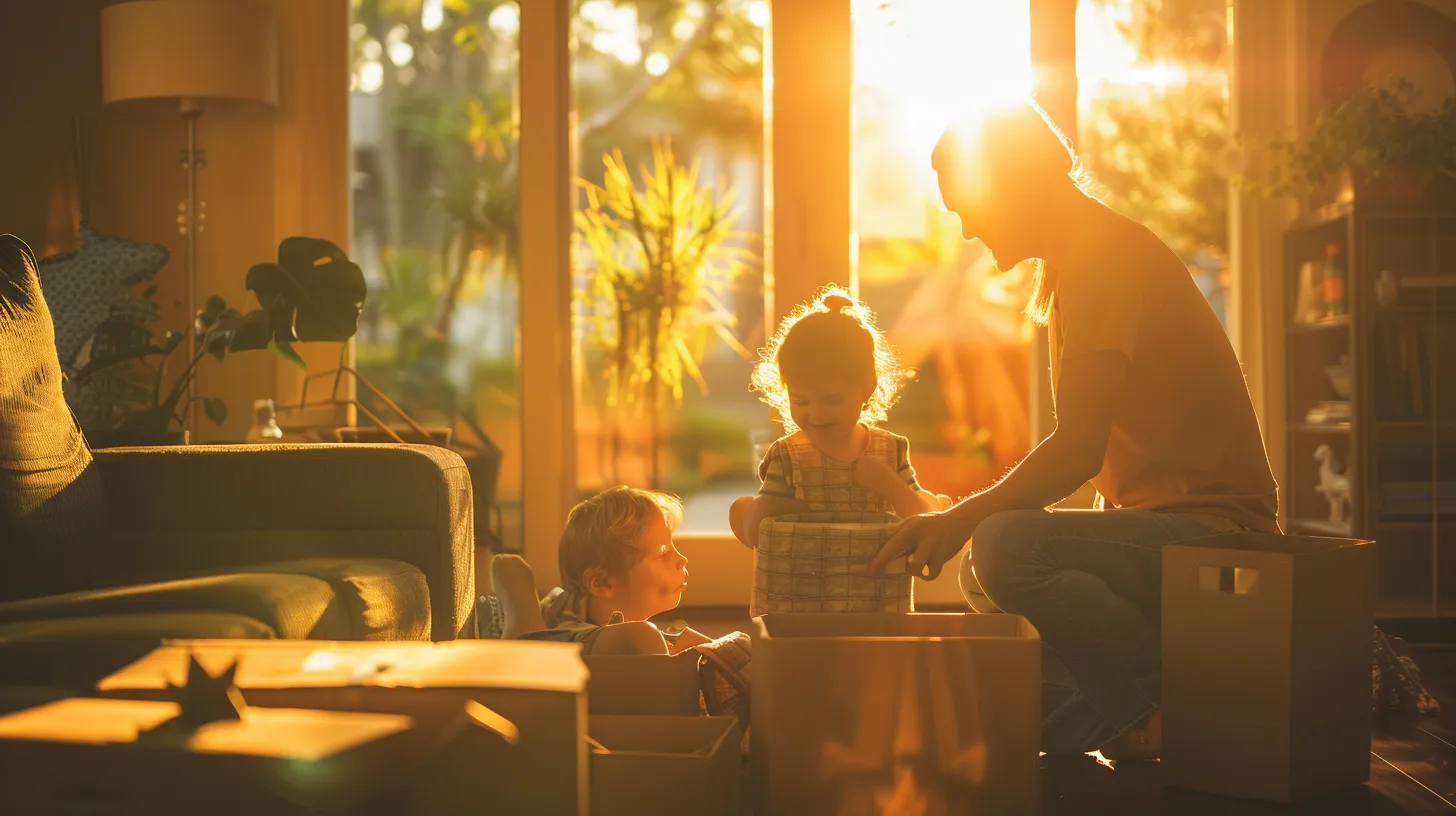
[
  {"x": 312, "y": 293},
  {"x": 1387, "y": 149},
  {"x": 653, "y": 296}
]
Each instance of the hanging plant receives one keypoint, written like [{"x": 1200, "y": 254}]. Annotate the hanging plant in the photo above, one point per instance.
[
  {"x": 662, "y": 264},
  {"x": 1370, "y": 134}
]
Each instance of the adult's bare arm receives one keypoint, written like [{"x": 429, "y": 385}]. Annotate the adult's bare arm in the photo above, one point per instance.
[{"x": 1088, "y": 395}]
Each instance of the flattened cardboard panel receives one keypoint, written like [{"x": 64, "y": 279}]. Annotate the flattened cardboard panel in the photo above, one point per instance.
[
  {"x": 1226, "y": 674},
  {"x": 666, "y": 765},
  {"x": 1334, "y": 613},
  {"x": 1266, "y": 662},
  {"x": 541, "y": 690},
  {"x": 643, "y": 684},
  {"x": 875, "y": 624},
  {"x": 950, "y": 712}
]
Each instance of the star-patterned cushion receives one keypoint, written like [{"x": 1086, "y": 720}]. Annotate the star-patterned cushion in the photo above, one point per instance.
[{"x": 82, "y": 286}]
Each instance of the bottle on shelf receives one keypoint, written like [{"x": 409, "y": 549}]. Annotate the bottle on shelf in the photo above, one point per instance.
[
  {"x": 265, "y": 423},
  {"x": 1335, "y": 282}
]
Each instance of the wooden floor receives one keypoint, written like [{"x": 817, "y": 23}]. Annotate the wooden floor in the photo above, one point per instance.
[{"x": 1412, "y": 763}]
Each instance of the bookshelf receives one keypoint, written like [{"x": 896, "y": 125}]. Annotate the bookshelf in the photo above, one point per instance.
[{"x": 1375, "y": 383}]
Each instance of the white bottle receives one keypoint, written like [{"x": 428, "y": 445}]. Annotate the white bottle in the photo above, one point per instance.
[{"x": 265, "y": 424}]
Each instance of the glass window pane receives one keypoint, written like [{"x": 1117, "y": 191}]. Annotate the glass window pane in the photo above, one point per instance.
[
  {"x": 685, "y": 78},
  {"x": 1153, "y": 123},
  {"x": 432, "y": 129},
  {"x": 952, "y": 313}
]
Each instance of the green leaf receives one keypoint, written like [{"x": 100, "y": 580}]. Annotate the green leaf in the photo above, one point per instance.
[
  {"x": 313, "y": 293},
  {"x": 468, "y": 37},
  {"x": 288, "y": 352},
  {"x": 216, "y": 410},
  {"x": 458, "y": 6}
]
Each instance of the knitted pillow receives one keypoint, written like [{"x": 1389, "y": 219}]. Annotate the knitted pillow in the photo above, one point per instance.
[{"x": 51, "y": 505}]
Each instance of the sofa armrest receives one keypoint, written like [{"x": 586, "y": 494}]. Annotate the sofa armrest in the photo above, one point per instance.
[{"x": 220, "y": 507}]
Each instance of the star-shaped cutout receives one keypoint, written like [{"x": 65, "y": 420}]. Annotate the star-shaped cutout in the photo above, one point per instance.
[{"x": 81, "y": 287}]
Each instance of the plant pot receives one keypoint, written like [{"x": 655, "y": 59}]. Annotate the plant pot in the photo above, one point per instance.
[
  {"x": 1393, "y": 184},
  {"x": 114, "y": 438}
]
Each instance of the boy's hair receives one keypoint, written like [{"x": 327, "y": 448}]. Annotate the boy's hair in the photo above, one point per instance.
[
  {"x": 601, "y": 532},
  {"x": 836, "y": 334},
  {"x": 1021, "y": 146}
]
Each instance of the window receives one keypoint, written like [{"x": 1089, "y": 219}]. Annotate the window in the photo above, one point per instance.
[
  {"x": 1153, "y": 123},
  {"x": 953, "y": 315},
  {"x": 679, "y": 82},
  {"x": 434, "y": 228}
]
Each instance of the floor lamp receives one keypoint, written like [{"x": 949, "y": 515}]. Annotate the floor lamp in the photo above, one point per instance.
[{"x": 192, "y": 51}]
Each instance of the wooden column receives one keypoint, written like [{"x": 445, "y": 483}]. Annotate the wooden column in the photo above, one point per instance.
[
  {"x": 311, "y": 165},
  {"x": 1266, "y": 97},
  {"x": 809, "y": 237},
  {"x": 548, "y": 132},
  {"x": 1054, "y": 61}
]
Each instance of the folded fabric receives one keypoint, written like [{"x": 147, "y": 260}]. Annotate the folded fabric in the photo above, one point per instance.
[{"x": 725, "y": 676}]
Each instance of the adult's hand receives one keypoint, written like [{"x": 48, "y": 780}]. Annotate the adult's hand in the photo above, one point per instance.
[{"x": 929, "y": 539}]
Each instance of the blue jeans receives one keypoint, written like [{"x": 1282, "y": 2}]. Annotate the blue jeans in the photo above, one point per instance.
[{"x": 1091, "y": 582}]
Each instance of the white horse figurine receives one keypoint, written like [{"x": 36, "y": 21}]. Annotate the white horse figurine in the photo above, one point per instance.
[{"x": 1335, "y": 487}]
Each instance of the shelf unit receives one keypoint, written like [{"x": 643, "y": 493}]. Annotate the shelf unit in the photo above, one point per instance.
[{"x": 1399, "y": 446}]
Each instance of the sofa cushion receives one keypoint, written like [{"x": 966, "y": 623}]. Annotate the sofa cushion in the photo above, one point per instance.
[
  {"x": 384, "y": 599},
  {"x": 75, "y": 653},
  {"x": 51, "y": 505},
  {"x": 293, "y": 606}
]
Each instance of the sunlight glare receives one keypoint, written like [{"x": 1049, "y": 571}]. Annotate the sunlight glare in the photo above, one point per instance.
[
  {"x": 758, "y": 12},
  {"x": 432, "y": 14},
  {"x": 935, "y": 59}
]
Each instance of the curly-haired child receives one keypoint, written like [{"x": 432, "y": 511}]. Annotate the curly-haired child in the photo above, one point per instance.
[{"x": 831, "y": 376}]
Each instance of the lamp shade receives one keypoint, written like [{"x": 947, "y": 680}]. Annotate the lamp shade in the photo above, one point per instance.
[{"x": 190, "y": 49}]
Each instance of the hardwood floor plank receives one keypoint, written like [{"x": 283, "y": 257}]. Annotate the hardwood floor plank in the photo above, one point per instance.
[{"x": 1417, "y": 751}]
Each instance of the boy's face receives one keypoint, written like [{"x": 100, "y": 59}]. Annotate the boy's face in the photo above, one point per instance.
[
  {"x": 656, "y": 582},
  {"x": 827, "y": 408}
]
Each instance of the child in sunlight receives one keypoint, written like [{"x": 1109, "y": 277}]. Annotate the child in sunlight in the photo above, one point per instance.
[
  {"x": 619, "y": 568},
  {"x": 831, "y": 375}
]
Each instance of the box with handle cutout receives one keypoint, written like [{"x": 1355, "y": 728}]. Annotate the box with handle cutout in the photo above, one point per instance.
[{"x": 1266, "y": 664}]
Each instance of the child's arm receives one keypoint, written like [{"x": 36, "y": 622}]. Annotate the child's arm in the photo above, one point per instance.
[
  {"x": 876, "y": 474},
  {"x": 775, "y": 496},
  {"x": 749, "y": 512}
]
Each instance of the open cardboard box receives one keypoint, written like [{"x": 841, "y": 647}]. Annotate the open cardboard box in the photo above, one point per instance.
[
  {"x": 664, "y": 685},
  {"x": 1266, "y": 664},
  {"x": 854, "y": 709},
  {"x": 539, "y": 688},
  {"x": 127, "y": 756},
  {"x": 666, "y": 765}
]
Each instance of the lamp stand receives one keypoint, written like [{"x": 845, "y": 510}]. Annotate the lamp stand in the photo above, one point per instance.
[{"x": 190, "y": 221}]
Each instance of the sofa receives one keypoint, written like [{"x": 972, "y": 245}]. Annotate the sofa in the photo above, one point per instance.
[
  {"x": 334, "y": 542},
  {"x": 104, "y": 554}
]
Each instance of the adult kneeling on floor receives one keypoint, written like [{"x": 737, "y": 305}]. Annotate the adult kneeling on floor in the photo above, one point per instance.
[{"x": 1151, "y": 408}]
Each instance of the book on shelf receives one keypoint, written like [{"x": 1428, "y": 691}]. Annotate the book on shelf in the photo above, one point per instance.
[
  {"x": 1403, "y": 372},
  {"x": 1329, "y": 412}
]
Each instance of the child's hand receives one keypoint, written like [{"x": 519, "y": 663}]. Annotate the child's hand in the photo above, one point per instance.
[{"x": 874, "y": 473}]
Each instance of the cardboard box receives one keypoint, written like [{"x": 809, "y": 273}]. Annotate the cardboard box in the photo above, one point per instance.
[
  {"x": 934, "y": 713},
  {"x": 540, "y": 688},
  {"x": 644, "y": 684},
  {"x": 1266, "y": 664},
  {"x": 89, "y": 755},
  {"x": 666, "y": 765}
]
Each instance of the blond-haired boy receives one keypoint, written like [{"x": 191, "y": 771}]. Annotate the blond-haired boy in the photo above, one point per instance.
[{"x": 619, "y": 567}]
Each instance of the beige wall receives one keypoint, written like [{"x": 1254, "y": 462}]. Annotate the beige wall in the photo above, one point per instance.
[{"x": 270, "y": 172}]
